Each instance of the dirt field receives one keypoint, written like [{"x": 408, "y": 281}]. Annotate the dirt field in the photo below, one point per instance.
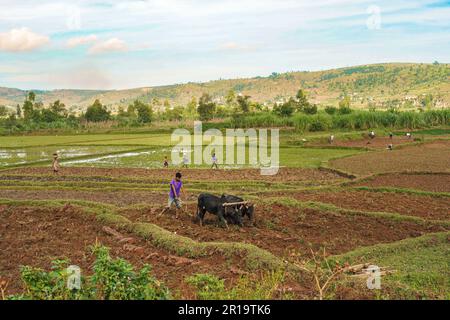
[
  {"x": 35, "y": 236},
  {"x": 426, "y": 207},
  {"x": 427, "y": 182},
  {"x": 376, "y": 143},
  {"x": 280, "y": 229},
  {"x": 118, "y": 198},
  {"x": 429, "y": 157},
  {"x": 107, "y": 174}
]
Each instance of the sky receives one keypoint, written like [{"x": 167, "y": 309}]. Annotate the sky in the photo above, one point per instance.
[{"x": 107, "y": 44}]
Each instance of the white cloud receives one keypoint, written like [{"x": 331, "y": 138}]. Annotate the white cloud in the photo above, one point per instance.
[
  {"x": 18, "y": 40},
  {"x": 74, "y": 42},
  {"x": 111, "y": 45}
]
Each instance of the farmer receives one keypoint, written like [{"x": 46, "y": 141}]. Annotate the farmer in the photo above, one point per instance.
[
  {"x": 214, "y": 161},
  {"x": 390, "y": 146},
  {"x": 55, "y": 164},
  {"x": 331, "y": 139},
  {"x": 371, "y": 136},
  {"x": 391, "y": 135},
  {"x": 174, "y": 194},
  {"x": 408, "y": 135},
  {"x": 166, "y": 162}
]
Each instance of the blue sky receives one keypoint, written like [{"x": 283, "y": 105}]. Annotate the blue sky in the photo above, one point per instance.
[{"x": 108, "y": 44}]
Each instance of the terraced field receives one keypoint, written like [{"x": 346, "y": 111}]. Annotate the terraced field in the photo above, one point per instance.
[{"x": 376, "y": 214}]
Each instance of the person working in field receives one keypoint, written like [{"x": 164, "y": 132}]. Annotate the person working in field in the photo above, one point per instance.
[
  {"x": 55, "y": 164},
  {"x": 214, "y": 161},
  {"x": 371, "y": 136},
  {"x": 176, "y": 186},
  {"x": 166, "y": 162},
  {"x": 331, "y": 139}
]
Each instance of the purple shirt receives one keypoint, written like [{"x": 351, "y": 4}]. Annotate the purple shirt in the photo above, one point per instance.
[{"x": 177, "y": 186}]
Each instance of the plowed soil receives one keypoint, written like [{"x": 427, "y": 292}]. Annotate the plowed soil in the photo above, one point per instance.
[
  {"x": 427, "y": 182},
  {"x": 284, "y": 174},
  {"x": 429, "y": 157},
  {"x": 118, "y": 198},
  {"x": 427, "y": 207},
  {"x": 35, "y": 236},
  {"x": 280, "y": 229}
]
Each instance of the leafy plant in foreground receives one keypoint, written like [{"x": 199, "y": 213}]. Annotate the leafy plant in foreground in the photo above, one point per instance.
[{"x": 112, "y": 279}]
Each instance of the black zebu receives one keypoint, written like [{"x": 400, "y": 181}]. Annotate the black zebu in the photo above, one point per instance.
[
  {"x": 245, "y": 209},
  {"x": 214, "y": 205}
]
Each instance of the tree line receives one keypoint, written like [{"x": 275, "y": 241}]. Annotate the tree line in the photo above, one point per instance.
[{"x": 32, "y": 114}]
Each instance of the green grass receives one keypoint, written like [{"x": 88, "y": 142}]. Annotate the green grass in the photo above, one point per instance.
[
  {"x": 404, "y": 190},
  {"x": 122, "y": 151},
  {"x": 311, "y": 157},
  {"x": 432, "y": 132},
  {"x": 85, "y": 139},
  {"x": 422, "y": 266}
]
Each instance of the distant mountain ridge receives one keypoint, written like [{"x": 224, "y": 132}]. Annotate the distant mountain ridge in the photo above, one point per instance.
[{"x": 375, "y": 84}]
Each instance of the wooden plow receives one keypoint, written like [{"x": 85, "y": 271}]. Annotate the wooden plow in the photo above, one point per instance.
[{"x": 241, "y": 203}]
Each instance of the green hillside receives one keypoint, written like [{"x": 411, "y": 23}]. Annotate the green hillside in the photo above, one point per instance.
[{"x": 381, "y": 85}]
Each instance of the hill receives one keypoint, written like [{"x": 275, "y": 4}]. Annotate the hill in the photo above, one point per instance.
[{"x": 379, "y": 84}]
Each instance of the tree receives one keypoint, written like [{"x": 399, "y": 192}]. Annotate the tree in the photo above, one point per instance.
[
  {"x": 121, "y": 112},
  {"x": 3, "y": 111},
  {"x": 243, "y": 103},
  {"x": 302, "y": 100},
  {"x": 174, "y": 114},
  {"x": 18, "y": 111},
  {"x": 285, "y": 109},
  {"x": 191, "y": 108},
  {"x": 310, "y": 109},
  {"x": 344, "y": 105},
  {"x": 97, "y": 112},
  {"x": 206, "y": 107},
  {"x": 144, "y": 111},
  {"x": 58, "y": 108},
  {"x": 31, "y": 96},
  {"x": 230, "y": 98},
  {"x": 28, "y": 107},
  {"x": 47, "y": 115}
]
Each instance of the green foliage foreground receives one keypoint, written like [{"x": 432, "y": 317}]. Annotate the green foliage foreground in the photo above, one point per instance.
[{"x": 112, "y": 279}]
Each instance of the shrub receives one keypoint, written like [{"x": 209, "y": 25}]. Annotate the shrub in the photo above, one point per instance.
[
  {"x": 112, "y": 279},
  {"x": 284, "y": 110},
  {"x": 330, "y": 110},
  {"x": 344, "y": 110},
  {"x": 310, "y": 109}
]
